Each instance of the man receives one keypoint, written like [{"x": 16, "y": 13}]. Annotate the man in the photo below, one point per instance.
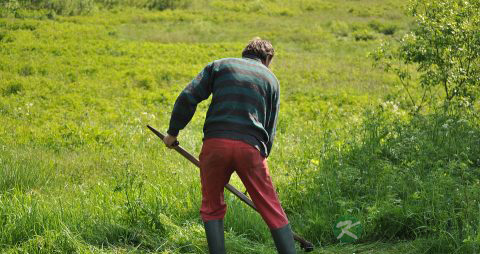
[{"x": 238, "y": 135}]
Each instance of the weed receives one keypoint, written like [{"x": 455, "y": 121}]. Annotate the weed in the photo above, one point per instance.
[
  {"x": 26, "y": 70},
  {"x": 363, "y": 35},
  {"x": 14, "y": 88},
  {"x": 382, "y": 27}
]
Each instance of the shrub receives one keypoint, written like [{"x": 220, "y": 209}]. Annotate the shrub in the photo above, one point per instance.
[{"x": 444, "y": 48}]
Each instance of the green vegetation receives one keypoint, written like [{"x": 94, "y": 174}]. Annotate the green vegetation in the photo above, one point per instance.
[
  {"x": 79, "y": 171},
  {"x": 444, "y": 47}
]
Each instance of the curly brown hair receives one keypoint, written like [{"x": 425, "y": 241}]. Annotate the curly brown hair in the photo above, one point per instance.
[{"x": 259, "y": 48}]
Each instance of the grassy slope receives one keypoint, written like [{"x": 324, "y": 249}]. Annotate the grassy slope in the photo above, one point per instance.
[{"x": 79, "y": 171}]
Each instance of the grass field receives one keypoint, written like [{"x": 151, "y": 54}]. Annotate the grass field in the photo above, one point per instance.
[{"x": 79, "y": 171}]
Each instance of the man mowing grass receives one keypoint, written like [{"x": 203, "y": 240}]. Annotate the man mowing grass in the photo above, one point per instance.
[{"x": 238, "y": 135}]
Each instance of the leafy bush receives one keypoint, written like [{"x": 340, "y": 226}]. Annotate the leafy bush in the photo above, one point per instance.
[{"x": 444, "y": 48}]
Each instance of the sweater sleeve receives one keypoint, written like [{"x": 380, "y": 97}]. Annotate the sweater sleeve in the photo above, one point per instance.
[
  {"x": 271, "y": 127},
  {"x": 196, "y": 91}
]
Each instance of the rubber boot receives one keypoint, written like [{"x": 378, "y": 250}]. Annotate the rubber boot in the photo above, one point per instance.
[
  {"x": 215, "y": 237},
  {"x": 283, "y": 238}
]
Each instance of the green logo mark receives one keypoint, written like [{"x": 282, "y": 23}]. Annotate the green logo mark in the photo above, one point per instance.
[{"x": 347, "y": 229}]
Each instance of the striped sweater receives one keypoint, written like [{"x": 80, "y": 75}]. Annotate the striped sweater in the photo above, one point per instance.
[{"x": 245, "y": 101}]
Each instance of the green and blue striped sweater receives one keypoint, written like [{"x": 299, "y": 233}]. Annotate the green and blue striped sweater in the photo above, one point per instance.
[{"x": 245, "y": 102}]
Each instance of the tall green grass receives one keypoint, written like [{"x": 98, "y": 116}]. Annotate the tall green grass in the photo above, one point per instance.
[{"x": 406, "y": 178}]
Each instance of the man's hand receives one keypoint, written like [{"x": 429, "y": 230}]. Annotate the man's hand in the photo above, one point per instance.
[{"x": 170, "y": 141}]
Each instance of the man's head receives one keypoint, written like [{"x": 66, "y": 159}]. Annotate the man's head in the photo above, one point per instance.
[{"x": 262, "y": 49}]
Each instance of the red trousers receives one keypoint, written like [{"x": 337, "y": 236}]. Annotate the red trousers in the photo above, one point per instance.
[{"x": 218, "y": 159}]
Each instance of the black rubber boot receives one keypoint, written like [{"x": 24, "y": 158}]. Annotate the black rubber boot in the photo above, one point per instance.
[
  {"x": 215, "y": 237},
  {"x": 283, "y": 238}
]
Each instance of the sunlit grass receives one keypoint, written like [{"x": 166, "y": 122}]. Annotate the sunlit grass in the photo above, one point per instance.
[{"x": 79, "y": 172}]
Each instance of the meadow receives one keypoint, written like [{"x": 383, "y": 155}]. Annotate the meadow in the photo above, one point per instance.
[{"x": 81, "y": 173}]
